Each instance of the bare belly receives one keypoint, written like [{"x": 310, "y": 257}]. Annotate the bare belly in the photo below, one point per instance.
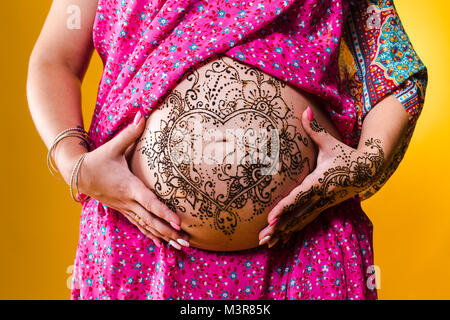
[{"x": 223, "y": 148}]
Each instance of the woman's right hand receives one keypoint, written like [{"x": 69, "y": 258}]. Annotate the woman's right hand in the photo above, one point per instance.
[{"x": 105, "y": 176}]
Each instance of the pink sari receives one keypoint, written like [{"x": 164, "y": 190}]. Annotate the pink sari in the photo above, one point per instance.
[{"x": 146, "y": 46}]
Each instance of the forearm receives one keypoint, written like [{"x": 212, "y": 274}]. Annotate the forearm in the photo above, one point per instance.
[
  {"x": 387, "y": 122},
  {"x": 54, "y": 98},
  {"x": 57, "y": 66}
]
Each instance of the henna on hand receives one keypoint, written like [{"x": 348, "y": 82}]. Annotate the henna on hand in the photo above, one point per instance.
[{"x": 354, "y": 171}]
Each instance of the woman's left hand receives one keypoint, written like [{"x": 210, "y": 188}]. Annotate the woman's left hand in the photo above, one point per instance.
[{"x": 341, "y": 172}]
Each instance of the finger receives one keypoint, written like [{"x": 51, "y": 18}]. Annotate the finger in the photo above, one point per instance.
[
  {"x": 169, "y": 234},
  {"x": 155, "y": 239},
  {"x": 130, "y": 151},
  {"x": 146, "y": 231},
  {"x": 295, "y": 219},
  {"x": 295, "y": 199},
  {"x": 264, "y": 240},
  {"x": 159, "y": 227},
  {"x": 272, "y": 242},
  {"x": 314, "y": 130},
  {"x": 148, "y": 200},
  {"x": 176, "y": 244},
  {"x": 280, "y": 222},
  {"x": 151, "y": 232},
  {"x": 129, "y": 135},
  {"x": 305, "y": 220},
  {"x": 266, "y": 234},
  {"x": 154, "y": 232},
  {"x": 269, "y": 230}
]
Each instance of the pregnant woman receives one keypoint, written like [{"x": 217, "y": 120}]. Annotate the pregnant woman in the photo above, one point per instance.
[{"x": 231, "y": 143}]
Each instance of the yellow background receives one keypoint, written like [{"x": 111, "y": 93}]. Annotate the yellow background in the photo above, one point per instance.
[{"x": 39, "y": 221}]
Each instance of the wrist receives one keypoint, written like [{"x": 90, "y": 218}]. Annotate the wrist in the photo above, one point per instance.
[{"x": 66, "y": 154}]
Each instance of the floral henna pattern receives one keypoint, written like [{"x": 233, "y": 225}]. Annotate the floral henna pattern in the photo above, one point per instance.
[
  {"x": 335, "y": 183},
  {"x": 266, "y": 149},
  {"x": 315, "y": 126}
]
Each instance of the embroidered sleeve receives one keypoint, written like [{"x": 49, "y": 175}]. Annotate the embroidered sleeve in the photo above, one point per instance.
[{"x": 378, "y": 59}]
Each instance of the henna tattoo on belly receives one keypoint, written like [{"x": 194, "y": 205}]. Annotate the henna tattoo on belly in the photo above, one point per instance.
[{"x": 225, "y": 95}]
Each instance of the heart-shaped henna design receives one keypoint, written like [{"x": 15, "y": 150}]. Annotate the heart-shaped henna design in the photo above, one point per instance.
[{"x": 265, "y": 149}]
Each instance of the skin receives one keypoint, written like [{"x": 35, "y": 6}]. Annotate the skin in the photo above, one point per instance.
[
  {"x": 223, "y": 197},
  {"x": 341, "y": 171},
  {"x": 56, "y": 69}
]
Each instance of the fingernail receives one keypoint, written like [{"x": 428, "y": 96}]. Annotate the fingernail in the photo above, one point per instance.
[
  {"x": 310, "y": 114},
  {"x": 175, "y": 245},
  {"x": 271, "y": 223},
  {"x": 264, "y": 240},
  {"x": 137, "y": 118},
  {"x": 183, "y": 242},
  {"x": 273, "y": 243},
  {"x": 157, "y": 243},
  {"x": 175, "y": 226}
]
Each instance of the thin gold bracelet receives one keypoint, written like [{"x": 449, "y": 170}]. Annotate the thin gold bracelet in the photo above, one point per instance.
[
  {"x": 71, "y": 132},
  {"x": 50, "y": 164},
  {"x": 78, "y": 132},
  {"x": 80, "y": 196},
  {"x": 74, "y": 174}
]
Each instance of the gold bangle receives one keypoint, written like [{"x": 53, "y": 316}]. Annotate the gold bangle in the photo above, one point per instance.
[
  {"x": 71, "y": 132},
  {"x": 80, "y": 196},
  {"x": 50, "y": 164},
  {"x": 74, "y": 174}
]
